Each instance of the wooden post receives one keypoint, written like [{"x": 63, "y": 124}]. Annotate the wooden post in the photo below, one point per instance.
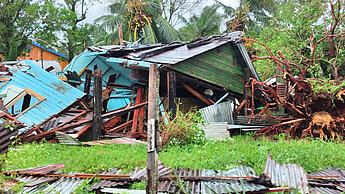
[
  {"x": 87, "y": 85},
  {"x": 97, "y": 105},
  {"x": 153, "y": 131},
  {"x": 120, "y": 34},
  {"x": 171, "y": 77}
]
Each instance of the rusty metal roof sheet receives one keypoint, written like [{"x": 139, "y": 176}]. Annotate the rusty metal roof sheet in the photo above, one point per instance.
[
  {"x": 61, "y": 185},
  {"x": 328, "y": 180},
  {"x": 215, "y": 186},
  {"x": 141, "y": 174},
  {"x": 291, "y": 175},
  {"x": 40, "y": 170},
  {"x": 7, "y": 131},
  {"x": 108, "y": 183},
  {"x": 325, "y": 190}
]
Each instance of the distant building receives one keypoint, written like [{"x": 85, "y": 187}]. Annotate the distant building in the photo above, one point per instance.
[{"x": 39, "y": 53}]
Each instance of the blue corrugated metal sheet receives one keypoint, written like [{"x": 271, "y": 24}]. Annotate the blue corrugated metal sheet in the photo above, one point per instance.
[
  {"x": 109, "y": 66},
  {"x": 58, "y": 94}
]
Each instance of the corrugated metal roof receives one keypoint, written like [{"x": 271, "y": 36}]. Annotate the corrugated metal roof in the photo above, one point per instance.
[
  {"x": 291, "y": 175},
  {"x": 57, "y": 94},
  {"x": 329, "y": 180},
  {"x": 215, "y": 186},
  {"x": 218, "y": 113},
  {"x": 7, "y": 131},
  {"x": 62, "y": 185}
]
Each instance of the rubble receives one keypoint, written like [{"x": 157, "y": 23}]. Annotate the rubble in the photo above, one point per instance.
[{"x": 239, "y": 179}]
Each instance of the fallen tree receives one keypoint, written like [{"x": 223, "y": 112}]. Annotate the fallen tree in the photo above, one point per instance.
[{"x": 315, "y": 106}]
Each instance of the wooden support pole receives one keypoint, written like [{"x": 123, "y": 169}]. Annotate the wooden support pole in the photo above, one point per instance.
[
  {"x": 97, "y": 105},
  {"x": 120, "y": 34},
  {"x": 153, "y": 131},
  {"x": 87, "y": 85},
  {"x": 171, "y": 78},
  {"x": 197, "y": 94}
]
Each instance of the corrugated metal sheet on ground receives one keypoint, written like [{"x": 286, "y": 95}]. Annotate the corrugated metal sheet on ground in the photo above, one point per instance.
[
  {"x": 325, "y": 190},
  {"x": 334, "y": 178},
  {"x": 58, "y": 94},
  {"x": 291, "y": 175},
  {"x": 141, "y": 174},
  {"x": 107, "y": 183},
  {"x": 5, "y": 137},
  {"x": 215, "y": 186},
  {"x": 62, "y": 185},
  {"x": 218, "y": 113}
]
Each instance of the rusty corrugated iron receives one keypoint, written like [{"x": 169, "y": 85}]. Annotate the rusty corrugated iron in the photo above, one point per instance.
[
  {"x": 332, "y": 180},
  {"x": 40, "y": 170},
  {"x": 8, "y": 128},
  {"x": 291, "y": 175}
]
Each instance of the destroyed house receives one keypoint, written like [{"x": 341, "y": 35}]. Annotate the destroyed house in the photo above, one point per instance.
[
  {"x": 200, "y": 73},
  {"x": 33, "y": 95}
]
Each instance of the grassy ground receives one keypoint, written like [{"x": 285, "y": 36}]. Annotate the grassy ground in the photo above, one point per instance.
[{"x": 313, "y": 155}]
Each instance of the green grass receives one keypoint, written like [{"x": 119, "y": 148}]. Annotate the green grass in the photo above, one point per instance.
[{"x": 313, "y": 155}]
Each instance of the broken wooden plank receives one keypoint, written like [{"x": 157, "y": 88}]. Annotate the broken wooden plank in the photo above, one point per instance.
[
  {"x": 140, "y": 92},
  {"x": 118, "y": 128}
]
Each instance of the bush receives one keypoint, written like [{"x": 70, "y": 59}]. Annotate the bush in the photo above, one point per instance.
[{"x": 183, "y": 128}]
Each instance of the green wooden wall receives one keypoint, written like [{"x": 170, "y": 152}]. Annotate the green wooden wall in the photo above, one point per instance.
[{"x": 218, "y": 66}]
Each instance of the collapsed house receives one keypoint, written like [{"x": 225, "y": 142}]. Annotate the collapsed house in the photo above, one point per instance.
[{"x": 202, "y": 73}]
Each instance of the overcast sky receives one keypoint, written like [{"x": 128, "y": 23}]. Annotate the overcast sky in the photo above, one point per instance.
[{"x": 100, "y": 8}]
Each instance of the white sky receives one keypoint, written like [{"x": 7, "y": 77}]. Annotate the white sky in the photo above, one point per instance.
[{"x": 100, "y": 8}]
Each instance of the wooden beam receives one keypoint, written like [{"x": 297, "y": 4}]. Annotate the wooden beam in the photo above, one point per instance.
[
  {"x": 118, "y": 128},
  {"x": 141, "y": 119},
  {"x": 152, "y": 128},
  {"x": 197, "y": 94},
  {"x": 140, "y": 92},
  {"x": 87, "y": 85},
  {"x": 72, "y": 119},
  {"x": 66, "y": 127},
  {"x": 83, "y": 130},
  {"x": 171, "y": 79},
  {"x": 97, "y": 105}
]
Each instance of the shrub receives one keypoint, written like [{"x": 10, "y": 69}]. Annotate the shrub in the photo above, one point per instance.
[{"x": 183, "y": 128}]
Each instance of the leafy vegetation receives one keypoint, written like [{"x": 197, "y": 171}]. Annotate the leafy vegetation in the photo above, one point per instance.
[
  {"x": 206, "y": 24},
  {"x": 313, "y": 155},
  {"x": 183, "y": 129},
  {"x": 308, "y": 34}
]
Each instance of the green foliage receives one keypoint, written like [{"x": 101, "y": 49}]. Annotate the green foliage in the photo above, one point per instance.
[
  {"x": 138, "y": 185},
  {"x": 183, "y": 129},
  {"x": 62, "y": 26},
  {"x": 327, "y": 86},
  {"x": 292, "y": 28},
  {"x": 18, "y": 20},
  {"x": 313, "y": 155},
  {"x": 77, "y": 158},
  {"x": 207, "y": 23}
]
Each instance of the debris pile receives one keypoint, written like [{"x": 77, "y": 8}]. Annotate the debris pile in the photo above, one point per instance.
[{"x": 275, "y": 178}]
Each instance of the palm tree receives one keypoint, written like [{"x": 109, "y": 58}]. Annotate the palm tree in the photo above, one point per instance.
[
  {"x": 206, "y": 24},
  {"x": 251, "y": 14},
  {"x": 140, "y": 20}
]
